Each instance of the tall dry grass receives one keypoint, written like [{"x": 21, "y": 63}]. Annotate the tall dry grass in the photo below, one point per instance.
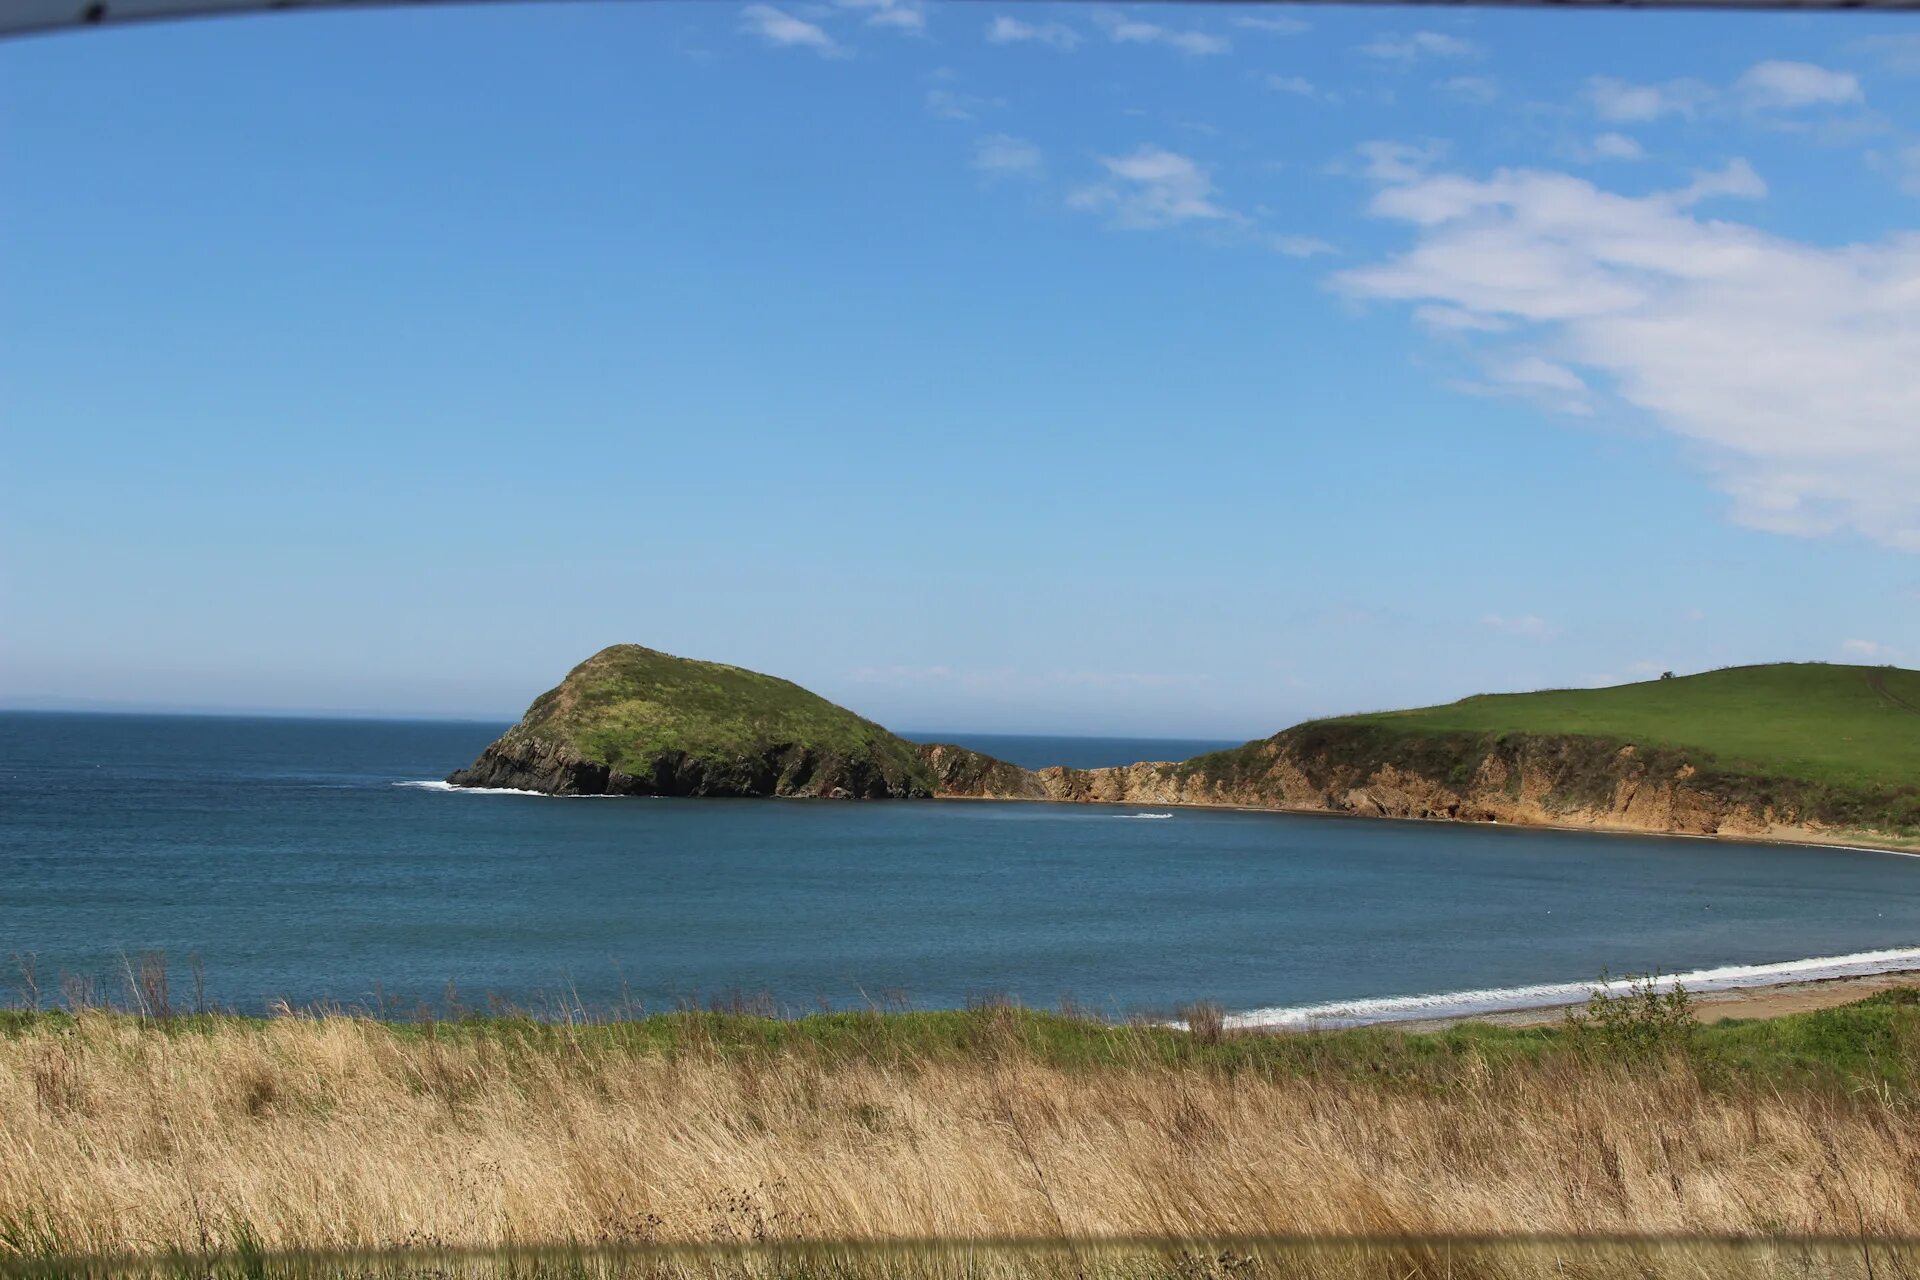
[{"x": 119, "y": 1136}]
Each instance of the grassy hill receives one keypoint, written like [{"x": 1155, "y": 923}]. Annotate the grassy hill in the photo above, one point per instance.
[
  {"x": 1836, "y": 725},
  {"x": 1785, "y": 751},
  {"x": 635, "y": 720},
  {"x": 629, "y": 703}
]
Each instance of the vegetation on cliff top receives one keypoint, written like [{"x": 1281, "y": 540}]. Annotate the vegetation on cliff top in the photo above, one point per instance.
[
  {"x": 1841, "y": 725},
  {"x": 1811, "y": 742},
  {"x": 628, "y": 705}
]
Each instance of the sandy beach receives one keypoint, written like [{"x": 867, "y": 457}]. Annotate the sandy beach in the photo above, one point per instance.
[{"x": 1774, "y": 1001}]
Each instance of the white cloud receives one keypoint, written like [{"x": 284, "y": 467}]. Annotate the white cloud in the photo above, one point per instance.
[
  {"x": 778, "y": 27},
  {"x": 1279, "y": 25},
  {"x": 1903, "y": 163},
  {"x": 1765, "y": 87},
  {"x": 1397, "y": 161},
  {"x": 1620, "y": 102},
  {"x": 1055, "y": 35},
  {"x": 1299, "y": 86},
  {"x": 1122, "y": 29},
  {"x": 1737, "y": 180},
  {"x": 1526, "y": 625},
  {"x": 1785, "y": 367},
  {"x": 1871, "y": 650},
  {"x": 1152, "y": 188},
  {"x": 1446, "y": 320},
  {"x": 1787, "y": 85},
  {"x": 906, "y": 16},
  {"x": 1418, "y": 46},
  {"x": 1479, "y": 90},
  {"x": 1538, "y": 373},
  {"x": 951, "y": 104},
  {"x": 1302, "y": 246},
  {"x": 1001, "y": 155},
  {"x": 1617, "y": 146}
]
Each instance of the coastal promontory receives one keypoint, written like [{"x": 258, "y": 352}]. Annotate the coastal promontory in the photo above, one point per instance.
[
  {"x": 635, "y": 721},
  {"x": 1794, "y": 751}
]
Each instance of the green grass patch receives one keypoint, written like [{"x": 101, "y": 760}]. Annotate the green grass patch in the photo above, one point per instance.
[
  {"x": 1842, "y": 725},
  {"x": 1872, "y": 1042}
]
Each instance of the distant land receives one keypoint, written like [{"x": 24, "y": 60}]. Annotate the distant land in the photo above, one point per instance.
[{"x": 1784, "y": 751}]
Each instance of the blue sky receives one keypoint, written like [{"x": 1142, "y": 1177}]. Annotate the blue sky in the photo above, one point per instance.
[{"x": 1155, "y": 369}]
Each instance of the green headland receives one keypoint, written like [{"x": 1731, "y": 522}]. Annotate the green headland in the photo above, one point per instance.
[
  {"x": 633, "y": 720},
  {"x": 1843, "y": 726},
  {"x": 1784, "y": 750}
]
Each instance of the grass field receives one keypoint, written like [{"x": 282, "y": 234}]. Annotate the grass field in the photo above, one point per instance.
[
  {"x": 155, "y": 1138},
  {"x": 1837, "y": 725}
]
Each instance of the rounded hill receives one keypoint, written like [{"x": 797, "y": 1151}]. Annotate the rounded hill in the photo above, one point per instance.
[{"x": 634, "y": 721}]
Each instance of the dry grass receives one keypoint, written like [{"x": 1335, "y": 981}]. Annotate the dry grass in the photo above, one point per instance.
[{"x": 120, "y": 1136}]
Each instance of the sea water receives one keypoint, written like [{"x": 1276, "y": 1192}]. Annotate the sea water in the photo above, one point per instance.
[{"x": 313, "y": 860}]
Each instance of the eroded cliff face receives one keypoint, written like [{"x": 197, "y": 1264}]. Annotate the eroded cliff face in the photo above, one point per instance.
[
  {"x": 526, "y": 762},
  {"x": 1516, "y": 779}
]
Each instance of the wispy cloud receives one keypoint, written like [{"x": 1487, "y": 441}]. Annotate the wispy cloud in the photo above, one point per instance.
[
  {"x": 1398, "y": 161},
  {"x": 1153, "y": 187},
  {"x": 1616, "y": 146},
  {"x": 1478, "y": 90},
  {"x": 909, "y": 17},
  {"x": 1001, "y": 155},
  {"x": 1872, "y": 651},
  {"x": 1900, "y": 53},
  {"x": 1731, "y": 338},
  {"x": 1298, "y": 86},
  {"x": 1526, "y": 625},
  {"x": 1054, "y": 35},
  {"x": 1418, "y": 47},
  {"x": 945, "y": 103},
  {"x": 1623, "y": 102},
  {"x": 1294, "y": 246},
  {"x": 778, "y": 27},
  {"x": 1122, "y": 29},
  {"x": 1771, "y": 87},
  {"x": 1903, "y": 163},
  {"x": 1272, "y": 24},
  {"x": 1789, "y": 85}
]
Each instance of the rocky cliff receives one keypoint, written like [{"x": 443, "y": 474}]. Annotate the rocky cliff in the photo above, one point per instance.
[
  {"x": 1521, "y": 779},
  {"x": 1806, "y": 751}
]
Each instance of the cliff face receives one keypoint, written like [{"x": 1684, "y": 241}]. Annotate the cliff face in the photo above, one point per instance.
[
  {"x": 962, "y": 773},
  {"x": 1520, "y": 779},
  {"x": 634, "y": 721},
  {"x": 526, "y": 762}
]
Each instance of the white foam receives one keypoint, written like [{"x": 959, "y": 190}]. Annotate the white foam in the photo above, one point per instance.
[
  {"x": 1456, "y": 1004},
  {"x": 436, "y": 784},
  {"x": 1143, "y": 815}
]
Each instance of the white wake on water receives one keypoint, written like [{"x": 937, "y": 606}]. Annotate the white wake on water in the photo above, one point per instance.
[
  {"x": 1457, "y": 1004},
  {"x": 1143, "y": 815},
  {"x": 436, "y": 784}
]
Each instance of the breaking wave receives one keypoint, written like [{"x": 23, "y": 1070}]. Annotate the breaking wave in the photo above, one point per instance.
[
  {"x": 1458, "y": 1004},
  {"x": 435, "y": 784}
]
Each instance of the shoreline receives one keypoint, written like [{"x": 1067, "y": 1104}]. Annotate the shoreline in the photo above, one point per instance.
[
  {"x": 1858, "y": 842},
  {"x": 1760, "y": 1001}
]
